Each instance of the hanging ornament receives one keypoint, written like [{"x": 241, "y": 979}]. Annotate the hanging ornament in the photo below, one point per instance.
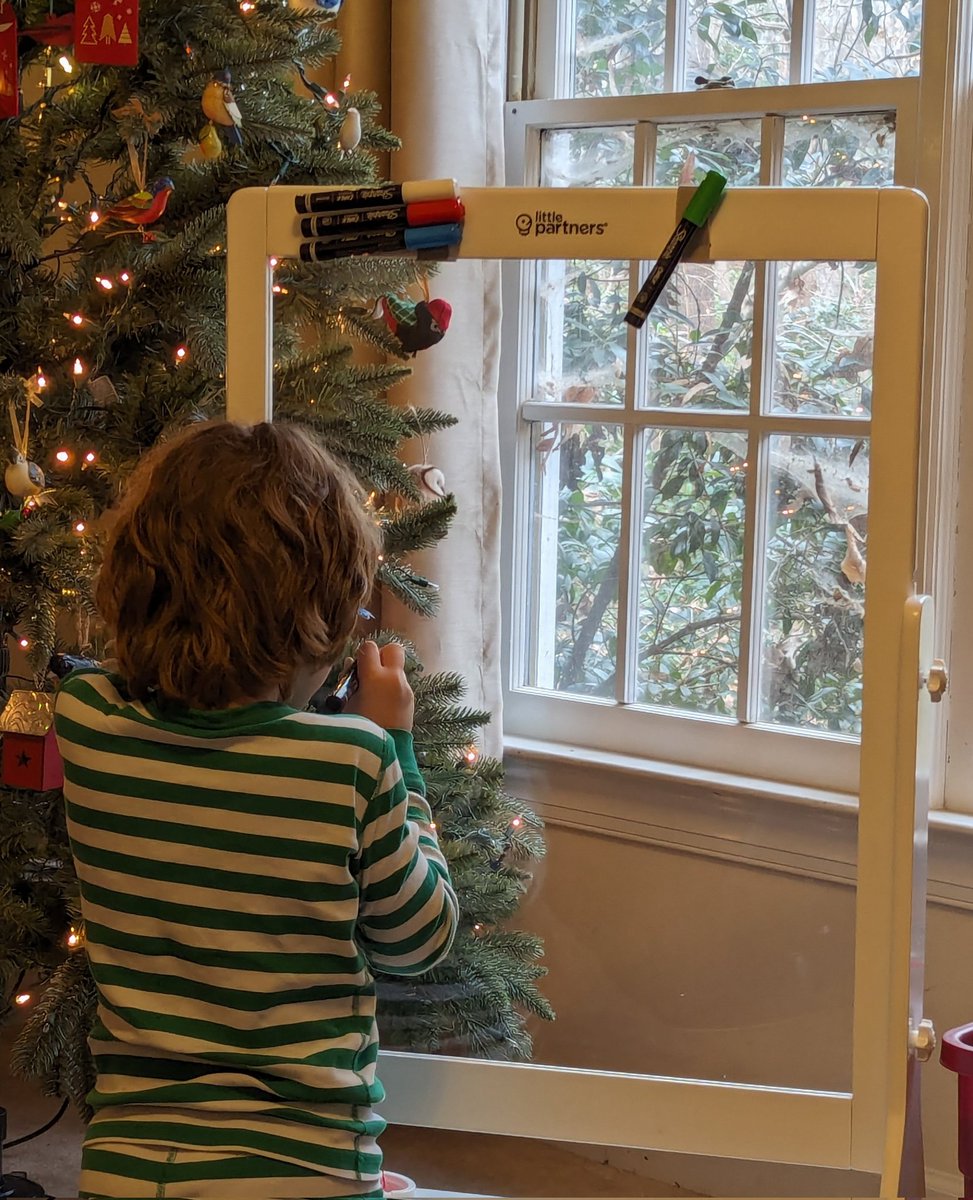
[
  {"x": 143, "y": 207},
  {"x": 210, "y": 145},
  {"x": 53, "y": 31},
  {"x": 331, "y": 7},
  {"x": 23, "y": 477},
  {"x": 430, "y": 481},
  {"x": 9, "y": 67},
  {"x": 30, "y": 758},
  {"x": 219, "y": 105},
  {"x": 350, "y": 133},
  {"x": 416, "y": 325},
  {"x": 102, "y": 391},
  {"x": 107, "y": 32}
]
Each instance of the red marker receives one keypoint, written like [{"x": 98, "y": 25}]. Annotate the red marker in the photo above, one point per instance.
[{"x": 399, "y": 216}]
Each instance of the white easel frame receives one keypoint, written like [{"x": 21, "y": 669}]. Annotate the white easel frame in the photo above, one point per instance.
[{"x": 867, "y": 1128}]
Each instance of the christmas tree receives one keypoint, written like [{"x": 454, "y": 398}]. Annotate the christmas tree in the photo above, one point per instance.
[{"x": 113, "y": 185}]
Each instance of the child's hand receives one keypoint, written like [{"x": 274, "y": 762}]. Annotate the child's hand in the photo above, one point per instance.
[{"x": 383, "y": 694}]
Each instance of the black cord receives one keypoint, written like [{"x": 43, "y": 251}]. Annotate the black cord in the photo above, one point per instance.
[{"x": 29, "y": 1137}]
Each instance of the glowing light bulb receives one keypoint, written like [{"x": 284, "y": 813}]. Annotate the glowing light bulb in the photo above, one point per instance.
[
  {"x": 516, "y": 822},
  {"x": 331, "y": 100},
  {"x": 125, "y": 277},
  {"x": 471, "y": 755},
  {"x": 63, "y": 456},
  {"x": 181, "y": 353},
  {"x": 41, "y": 378},
  {"x": 80, "y": 527},
  {"x": 62, "y": 204},
  {"x": 74, "y": 939},
  {"x": 346, "y": 84},
  {"x": 274, "y": 261},
  {"x": 76, "y": 319},
  {"x": 90, "y": 456},
  {"x": 94, "y": 216},
  {"x": 105, "y": 283},
  {"x": 477, "y": 927},
  {"x": 22, "y": 998},
  {"x": 276, "y": 288},
  {"x": 67, "y": 66},
  {"x": 24, "y": 643},
  {"x": 78, "y": 367}
]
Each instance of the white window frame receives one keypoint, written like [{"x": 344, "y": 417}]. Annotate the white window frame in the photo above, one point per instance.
[{"x": 933, "y": 115}]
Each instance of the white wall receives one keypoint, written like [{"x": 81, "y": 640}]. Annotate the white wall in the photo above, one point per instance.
[{"x": 677, "y": 963}]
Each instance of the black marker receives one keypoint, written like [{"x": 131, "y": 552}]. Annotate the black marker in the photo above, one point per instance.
[
  {"x": 698, "y": 212},
  {"x": 412, "y": 192},
  {"x": 364, "y": 221},
  {"x": 347, "y": 683},
  {"x": 384, "y": 241}
]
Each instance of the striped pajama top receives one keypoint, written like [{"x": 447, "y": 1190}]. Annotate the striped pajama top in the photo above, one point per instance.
[{"x": 241, "y": 873}]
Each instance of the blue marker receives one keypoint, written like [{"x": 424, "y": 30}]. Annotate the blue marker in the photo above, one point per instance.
[{"x": 418, "y": 240}]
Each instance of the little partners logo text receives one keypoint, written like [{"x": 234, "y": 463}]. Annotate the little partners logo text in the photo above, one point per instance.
[{"x": 551, "y": 222}]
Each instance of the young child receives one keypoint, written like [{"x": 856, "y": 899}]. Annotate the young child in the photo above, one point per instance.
[{"x": 244, "y": 864}]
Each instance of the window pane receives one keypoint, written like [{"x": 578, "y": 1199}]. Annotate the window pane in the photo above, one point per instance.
[
  {"x": 699, "y": 337},
  {"x": 599, "y": 157},
  {"x": 576, "y": 519},
  {"x": 815, "y": 573},
  {"x": 580, "y": 351},
  {"x": 824, "y": 338},
  {"x": 746, "y": 40},
  {"x": 730, "y": 147},
  {"x": 866, "y": 39},
  {"x": 620, "y": 47},
  {"x": 851, "y": 150},
  {"x": 691, "y": 575}
]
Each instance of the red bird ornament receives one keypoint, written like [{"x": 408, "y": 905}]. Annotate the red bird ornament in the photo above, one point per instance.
[{"x": 142, "y": 208}]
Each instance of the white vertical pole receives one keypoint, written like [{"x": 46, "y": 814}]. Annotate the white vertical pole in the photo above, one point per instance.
[
  {"x": 249, "y": 309},
  {"x": 886, "y": 814}
]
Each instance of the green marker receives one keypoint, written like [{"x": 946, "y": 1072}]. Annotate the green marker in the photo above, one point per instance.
[{"x": 698, "y": 212}]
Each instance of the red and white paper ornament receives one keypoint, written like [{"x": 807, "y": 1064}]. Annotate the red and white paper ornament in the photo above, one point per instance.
[
  {"x": 107, "y": 32},
  {"x": 9, "y": 69}
]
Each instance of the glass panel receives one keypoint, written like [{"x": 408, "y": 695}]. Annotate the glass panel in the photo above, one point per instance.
[
  {"x": 598, "y": 157},
  {"x": 620, "y": 47},
  {"x": 866, "y": 39},
  {"x": 576, "y": 523},
  {"x": 730, "y": 147},
  {"x": 581, "y": 344},
  {"x": 817, "y": 547},
  {"x": 851, "y": 150},
  {"x": 699, "y": 342},
  {"x": 691, "y": 574},
  {"x": 824, "y": 337},
  {"x": 743, "y": 41}
]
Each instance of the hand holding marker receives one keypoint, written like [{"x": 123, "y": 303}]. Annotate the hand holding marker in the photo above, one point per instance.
[{"x": 698, "y": 212}]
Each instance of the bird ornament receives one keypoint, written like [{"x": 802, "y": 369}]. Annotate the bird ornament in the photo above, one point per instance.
[
  {"x": 416, "y": 325},
  {"x": 221, "y": 108},
  {"x": 143, "y": 207}
]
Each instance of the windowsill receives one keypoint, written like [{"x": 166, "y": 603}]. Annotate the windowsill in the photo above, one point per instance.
[{"x": 737, "y": 818}]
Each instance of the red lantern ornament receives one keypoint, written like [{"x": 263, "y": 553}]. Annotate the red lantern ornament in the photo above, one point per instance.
[
  {"x": 9, "y": 67},
  {"x": 107, "y": 32},
  {"x": 30, "y": 759}
]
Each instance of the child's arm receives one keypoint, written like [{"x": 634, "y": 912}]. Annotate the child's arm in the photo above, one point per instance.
[{"x": 408, "y": 911}]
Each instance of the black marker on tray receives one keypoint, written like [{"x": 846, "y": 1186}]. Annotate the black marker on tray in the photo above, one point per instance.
[
  {"x": 698, "y": 212},
  {"x": 413, "y": 192}
]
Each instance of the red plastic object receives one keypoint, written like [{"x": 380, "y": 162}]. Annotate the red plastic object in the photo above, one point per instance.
[{"x": 957, "y": 1055}]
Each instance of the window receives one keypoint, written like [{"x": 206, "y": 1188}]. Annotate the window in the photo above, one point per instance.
[{"x": 689, "y": 516}]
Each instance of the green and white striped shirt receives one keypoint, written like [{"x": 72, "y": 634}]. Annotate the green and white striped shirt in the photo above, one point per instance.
[{"x": 241, "y": 871}]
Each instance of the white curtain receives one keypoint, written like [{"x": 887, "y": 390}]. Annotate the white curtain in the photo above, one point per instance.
[{"x": 447, "y": 61}]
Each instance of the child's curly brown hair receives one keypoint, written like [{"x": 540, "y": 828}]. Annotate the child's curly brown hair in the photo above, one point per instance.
[{"x": 238, "y": 554}]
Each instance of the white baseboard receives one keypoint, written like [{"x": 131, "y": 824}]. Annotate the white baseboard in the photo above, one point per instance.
[{"x": 943, "y": 1185}]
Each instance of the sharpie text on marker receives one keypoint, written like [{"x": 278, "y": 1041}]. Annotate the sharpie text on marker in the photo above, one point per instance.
[
  {"x": 698, "y": 211},
  {"x": 398, "y": 216},
  {"x": 413, "y": 192},
  {"x": 424, "y": 241}
]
